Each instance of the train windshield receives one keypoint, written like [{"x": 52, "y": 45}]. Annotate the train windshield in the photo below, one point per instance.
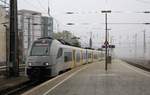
[{"x": 40, "y": 49}]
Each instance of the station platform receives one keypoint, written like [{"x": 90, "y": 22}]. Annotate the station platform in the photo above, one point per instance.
[{"x": 120, "y": 79}]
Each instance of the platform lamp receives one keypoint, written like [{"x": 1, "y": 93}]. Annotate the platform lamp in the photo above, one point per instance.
[{"x": 106, "y": 40}]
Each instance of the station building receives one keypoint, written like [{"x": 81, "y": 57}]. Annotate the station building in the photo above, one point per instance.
[
  {"x": 33, "y": 26},
  {"x": 3, "y": 22}
]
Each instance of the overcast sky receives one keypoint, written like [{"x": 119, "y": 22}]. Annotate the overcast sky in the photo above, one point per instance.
[{"x": 88, "y": 16}]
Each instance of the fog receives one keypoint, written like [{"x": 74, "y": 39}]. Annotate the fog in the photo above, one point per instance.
[{"x": 88, "y": 18}]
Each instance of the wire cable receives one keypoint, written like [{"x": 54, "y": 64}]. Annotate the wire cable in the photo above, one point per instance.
[
  {"x": 39, "y": 2},
  {"x": 30, "y": 4}
]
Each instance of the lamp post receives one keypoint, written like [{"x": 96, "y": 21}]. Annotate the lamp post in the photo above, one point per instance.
[
  {"x": 108, "y": 35},
  {"x": 106, "y": 40}
]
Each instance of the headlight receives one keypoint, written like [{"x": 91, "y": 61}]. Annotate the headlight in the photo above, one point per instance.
[
  {"x": 29, "y": 64},
  {"x": 46, "y": 63}
]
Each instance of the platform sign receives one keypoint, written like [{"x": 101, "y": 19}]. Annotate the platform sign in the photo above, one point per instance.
[
  {"x": 109, "y": 46},
  {"x": 106, "y": 43}
]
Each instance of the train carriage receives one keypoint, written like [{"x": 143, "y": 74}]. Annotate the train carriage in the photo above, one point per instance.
[{"x": 48, "y": 57}]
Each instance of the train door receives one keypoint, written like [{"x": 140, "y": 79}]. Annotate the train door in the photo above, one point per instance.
[
  {"x": 81, "y": 57},
  {"x": 86, "y": 58},
  {"x": 73, "y": 59},
  {"x": 92, "y": 56},
  {"x": 60, "y": 60}
]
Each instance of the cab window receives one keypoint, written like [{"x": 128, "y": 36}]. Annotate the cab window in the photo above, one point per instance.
[{"x": 60, "y": 52}]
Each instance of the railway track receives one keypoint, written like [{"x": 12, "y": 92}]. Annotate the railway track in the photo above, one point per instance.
[
  {"x": 21, "y": 88},
  {"x": 137, "y": 65}
]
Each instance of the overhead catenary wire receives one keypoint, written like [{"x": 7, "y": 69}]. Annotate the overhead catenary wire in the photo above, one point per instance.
[
  {"x": 40, "y": 3},
  {"x": 112, "y": 12},
  {"x": 32, "y": 5},
  {"x": 113, "y": 23}
]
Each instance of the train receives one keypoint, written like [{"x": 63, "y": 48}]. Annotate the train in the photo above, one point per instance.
[{"x": 48, "y": 57}]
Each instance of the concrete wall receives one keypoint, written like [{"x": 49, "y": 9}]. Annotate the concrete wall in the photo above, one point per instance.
[{"x": 2, "y": 36}]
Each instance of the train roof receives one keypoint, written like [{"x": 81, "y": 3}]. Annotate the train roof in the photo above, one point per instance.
[
  {"x": 66, "y": 44},
  {"x": 46, "y": 38},
  {"x": 60, "y": 40}
]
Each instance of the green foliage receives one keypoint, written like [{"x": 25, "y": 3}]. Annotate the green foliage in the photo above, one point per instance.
[{"x": 68, "y": 37}]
